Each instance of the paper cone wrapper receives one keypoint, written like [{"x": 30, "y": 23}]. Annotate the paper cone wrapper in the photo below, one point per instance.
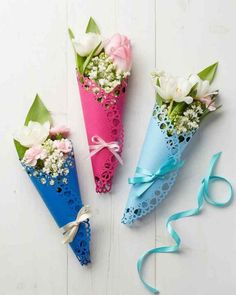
[
  {"x": 161, "y": 144},
  {"x": 103, "y": 114},
  {"x": 62, "y": 197}
]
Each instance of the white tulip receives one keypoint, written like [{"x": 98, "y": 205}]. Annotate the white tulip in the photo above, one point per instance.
[
  {"x": 182, "y": 90},
  {"x": 166, "y": 88},
  {"x": 176, "y": 89},
  {"x": 33, "y": 134},
  {"x": 203, "y": 86},
  {"x": 85, "y": 43}
]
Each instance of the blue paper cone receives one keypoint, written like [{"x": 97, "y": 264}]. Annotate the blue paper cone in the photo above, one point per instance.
[
  {"x": 61, "y": 195},
  {"x": 161, "y": 144}
]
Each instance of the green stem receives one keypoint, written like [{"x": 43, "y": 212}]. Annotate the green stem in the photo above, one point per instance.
[
  {"x": 170, "y": 107},
  {"x": 207, "y": 112}
]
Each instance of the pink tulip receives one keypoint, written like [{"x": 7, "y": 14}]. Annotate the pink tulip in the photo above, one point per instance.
[
  {"x": 118, "y": 47},
  {"x": 59, "y": 130},
  {"x": 33, "y": 154},
  {"x": 63, "y": 145}
]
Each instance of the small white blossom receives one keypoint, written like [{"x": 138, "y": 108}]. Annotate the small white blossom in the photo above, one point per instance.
[
  {"x": 107, "y": 75},
  {"x": 93, "y": 75},
  {"x": 54, "y": 163},
  {"x": 189, "y": 120}
]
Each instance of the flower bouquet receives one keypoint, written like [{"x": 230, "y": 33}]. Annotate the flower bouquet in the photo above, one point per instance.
[
  {"x": 103, "y": 67},
  {"x": 47, "y": 156},
  {"x": 181, "y": 104}
]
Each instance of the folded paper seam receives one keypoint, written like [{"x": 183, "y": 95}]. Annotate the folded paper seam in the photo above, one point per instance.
[{"x": 203, "y": 195}]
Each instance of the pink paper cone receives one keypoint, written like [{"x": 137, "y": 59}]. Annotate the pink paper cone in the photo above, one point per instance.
[{"x": 103, "y": 117}]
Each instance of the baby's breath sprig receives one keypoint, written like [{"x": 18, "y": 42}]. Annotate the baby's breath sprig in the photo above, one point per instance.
[{"x": 103, "y": 71}]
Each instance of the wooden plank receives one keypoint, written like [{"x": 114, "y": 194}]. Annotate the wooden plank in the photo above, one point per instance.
[
  {"x": 36, "y": 56},
  {"x": 92, "y": 279},
  {"x": 135, "y": 19},
  {"x": 33, "y": 260},
  {"x": 190, "y": 36},
  {"x": 115, "y": 248}
]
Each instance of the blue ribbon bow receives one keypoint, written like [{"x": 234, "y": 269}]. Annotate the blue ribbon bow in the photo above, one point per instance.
[
  {"x": 203, "y": 195},
  {"x": 149, "y": 178}
]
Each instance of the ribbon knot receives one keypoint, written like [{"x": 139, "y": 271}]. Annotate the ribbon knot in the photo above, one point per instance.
[
  {"x": 70, "y": 229},
  {"x": 203, "y": 195},
  {"x": 100, "y": 144},
  {"x": 148, "y": 178}
]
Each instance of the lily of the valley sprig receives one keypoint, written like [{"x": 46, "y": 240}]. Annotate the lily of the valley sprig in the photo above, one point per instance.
[
  {"x": 107, "y": 61},
  {"x": 186, "y": 100}
]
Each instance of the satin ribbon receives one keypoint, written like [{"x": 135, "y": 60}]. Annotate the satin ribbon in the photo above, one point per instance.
[
  {"x": 149, "y": 178},
  {"x": 203, "y": 195},
  {"x": 70, "y": 229},
  {"x": 100, "y": 144}
]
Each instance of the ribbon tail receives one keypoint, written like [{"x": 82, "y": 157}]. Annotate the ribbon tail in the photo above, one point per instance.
[
  {"x": 202, "y": 196},
  {"x": 70, "y": 235},
  {"x": 118, "y": 157},
  {"x": 139, "y": 268},
  {"x": 95, "y": 151},
  {"x": 142, "y": 188}
]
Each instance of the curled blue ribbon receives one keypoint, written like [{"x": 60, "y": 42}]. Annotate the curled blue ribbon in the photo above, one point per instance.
[
  {"x": 203, "y": 195},
  {"x": 148, "y": 178}
]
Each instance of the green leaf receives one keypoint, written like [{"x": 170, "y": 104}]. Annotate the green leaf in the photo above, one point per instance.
[
  {"x": 20, "y": 149},
  {"x": 178, "y": 110},
  {"x": 92, "y": 27},
  {"x": 208, "y": 73},
  {"x": 71, "y": 34},
  {"x": 80, "y": 62},
  {"x": 38, "y": 112},
  {"x": 158, "y": 99},
  {"x": 88, "y": 59},
  {"x": 78, "y": 59},
  {"x": 207, "y": 112}
]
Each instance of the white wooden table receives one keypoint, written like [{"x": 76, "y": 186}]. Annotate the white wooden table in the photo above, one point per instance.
[{"x": 180, "y": 36}]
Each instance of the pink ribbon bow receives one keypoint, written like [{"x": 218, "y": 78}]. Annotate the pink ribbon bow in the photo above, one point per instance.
[{"x": 100, "y": 144}]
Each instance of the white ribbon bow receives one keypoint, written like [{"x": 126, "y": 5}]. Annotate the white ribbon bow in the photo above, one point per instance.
[
  {"x": 100, "y": 144},
  {"x": 70, "y": 229}
]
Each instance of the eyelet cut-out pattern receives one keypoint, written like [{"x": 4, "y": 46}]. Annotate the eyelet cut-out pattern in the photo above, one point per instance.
[
  {"x": 62, "y": 197},
  {"x": 161, "y": 144},
  {"x": 103, "y": 117}
]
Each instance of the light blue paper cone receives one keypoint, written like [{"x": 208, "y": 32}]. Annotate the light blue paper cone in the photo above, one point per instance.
[{"x": 161, "y": 145}]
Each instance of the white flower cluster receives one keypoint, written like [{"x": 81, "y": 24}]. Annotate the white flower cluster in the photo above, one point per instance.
[
  {"x": 103, "y": 71},
  {"x": 54, "y": 163},
  {"x": 189, "y": 120},
  {"x": 48, "y": 146},
  {"x": 186, "y": 100},
  {"x": 178, "y": 89},
  {"x": 56, "y": 151}
]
